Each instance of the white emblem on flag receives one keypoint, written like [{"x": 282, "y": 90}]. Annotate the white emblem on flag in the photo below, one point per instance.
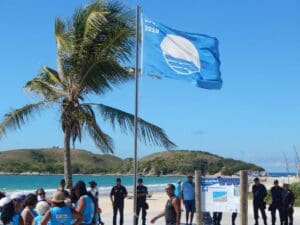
[{"x": 180, "y": 54}]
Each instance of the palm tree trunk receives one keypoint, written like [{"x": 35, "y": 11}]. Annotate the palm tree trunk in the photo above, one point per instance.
[{"x": 67, "y": 159}]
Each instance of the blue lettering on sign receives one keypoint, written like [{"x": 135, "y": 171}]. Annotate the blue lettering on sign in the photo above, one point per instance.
[{"x": 220, "y": 181}]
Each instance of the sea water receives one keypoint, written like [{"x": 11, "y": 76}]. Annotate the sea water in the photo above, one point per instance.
[{"x": 29, "y": 183}]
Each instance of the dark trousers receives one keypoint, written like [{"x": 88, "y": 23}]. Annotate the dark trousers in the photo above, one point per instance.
[
  {"x": 144, "y": 213},
  {"x": 217, "y": 217},
  {"x": 287, "y": 215},
  {"x": 259, "y": 206},
  {"x": 233, "y": 217},
  {"x": 273, "y": 208},
  {"x": 121, "y": 211}
]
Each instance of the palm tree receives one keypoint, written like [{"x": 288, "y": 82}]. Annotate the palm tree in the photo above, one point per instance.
[{"x": 92, "y": 49}]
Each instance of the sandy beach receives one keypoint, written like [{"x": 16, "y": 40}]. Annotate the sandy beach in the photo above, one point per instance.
[{"x": 156, "y": 205}]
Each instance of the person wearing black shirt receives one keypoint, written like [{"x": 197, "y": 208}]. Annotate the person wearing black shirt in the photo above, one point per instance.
[
  {"x": 288, "y": 199},
  {"x": 276, "y": 192},
  {"x": 259, "y": 192},
  {"x": 142, "y": 192},
  {"x": 117, "y": 195}
]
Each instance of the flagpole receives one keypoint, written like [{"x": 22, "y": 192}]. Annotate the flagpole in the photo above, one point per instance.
[{"x": 136, "y": 113}]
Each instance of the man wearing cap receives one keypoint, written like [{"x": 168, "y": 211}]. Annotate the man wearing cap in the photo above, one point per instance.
[
  {"x": 117, "y": 195},
  {"x": 259, "y": 192},
  {"x": 188, "y": 197},
  {"x": 276, "y": 192},
  {"x": 142, "y": 192}
]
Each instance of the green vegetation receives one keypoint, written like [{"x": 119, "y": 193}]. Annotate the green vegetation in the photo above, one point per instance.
[
  {"x": 51, "y": 161},
  {"x": 183, "y": 162},
  {"x": 84, "y": 162},
  {"x": 295, "y": 187}
]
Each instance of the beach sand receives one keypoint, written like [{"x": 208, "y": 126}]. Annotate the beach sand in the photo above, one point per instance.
[{"x": 156, "y": 205}]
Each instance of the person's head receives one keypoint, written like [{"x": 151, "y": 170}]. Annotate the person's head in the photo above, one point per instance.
[
  {"x": 170, "y": 189},
  {"x": 276, "y": 183},
  {"x": 58, "y": 199},
  {"x": 73, "y": 196},
  {"x": 18, "y": 201},
  {"x": 93, "y": 184},
  {"x": 286, "y": 186},
  {"x": 140, "y": 181},
  {"x": 190, "y": 178},
  {"x": 42, "y": 207},
  {"x": 256, "y": 181},
  {"x": 118, "y": 181},
  {"x": 62, "y": 183},
  {"x": 179, "y": 182},
  {"x": 41, "y": 194},
  {"x": 80, "y": 188},
  {"x": 11, "y": 205},
  {"x": 30, "y": 201}
]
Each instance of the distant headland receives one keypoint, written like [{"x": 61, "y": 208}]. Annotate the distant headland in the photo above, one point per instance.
[{"x": 173, "y": 162}]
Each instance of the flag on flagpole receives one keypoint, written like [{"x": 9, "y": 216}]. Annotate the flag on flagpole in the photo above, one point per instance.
[{"x": 180, "y": 55}]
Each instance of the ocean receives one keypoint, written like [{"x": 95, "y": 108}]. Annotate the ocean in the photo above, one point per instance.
[{"x": 29, "y": 183}]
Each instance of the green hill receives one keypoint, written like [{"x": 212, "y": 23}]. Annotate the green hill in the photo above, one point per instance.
[
  {"x": 51, "y": 161},
  {"x": 84, "y": 162}
]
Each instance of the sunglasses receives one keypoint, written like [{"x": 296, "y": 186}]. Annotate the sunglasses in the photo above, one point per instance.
[{"x": 41, "y": 193}]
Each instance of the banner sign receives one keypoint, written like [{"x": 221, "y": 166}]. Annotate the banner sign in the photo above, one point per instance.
[{"x": 220, "y": 195}]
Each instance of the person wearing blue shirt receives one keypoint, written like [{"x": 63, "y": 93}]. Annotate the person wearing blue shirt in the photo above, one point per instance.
[
  {"x": 178, "y": 189},
  {"x": 41, "y": 208},
  {"x": 188, "y": 197},
  {"x": 60, "y": 213},
  {"x": 86, "y": 204},
  {"x": 11, "y": 210}
]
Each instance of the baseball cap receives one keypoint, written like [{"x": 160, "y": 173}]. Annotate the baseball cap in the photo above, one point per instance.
[
  {"x": 140, "y": 180},
  {"x": 118, "y": 179},
  {"x": 18, "y": 196},
  {"x": 92, "y": 183}
]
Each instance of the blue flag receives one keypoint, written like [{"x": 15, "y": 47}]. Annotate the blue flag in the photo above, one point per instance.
[{"x": 180, "y": 55}]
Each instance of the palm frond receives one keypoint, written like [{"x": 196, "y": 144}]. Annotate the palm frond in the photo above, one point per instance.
[
  {"x": 102, "y": 140},
  {"x": 47, "y": 84},
  {"x": 101, "y": 75},
  {"x": 147, "y": 132},
  {"x": 16, "y": 118}
]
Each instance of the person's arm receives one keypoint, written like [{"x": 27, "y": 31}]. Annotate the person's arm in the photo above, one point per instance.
[
  {"x": 80, "y": 206},
  {"x": 176, "y": 204},
  {"x": 111, "y": 196},
  {"x": 125, "y": 192},
  {"x": 46, "y": 218},
  {"x": 21, "y": 221},
  {"x": 157, "y": 217},
  {"x": 292, "y": 200},
  {"x": 27, "y": 218},
  {"x": 264, "y": 192},
  {"x": 78, "y": 216}
]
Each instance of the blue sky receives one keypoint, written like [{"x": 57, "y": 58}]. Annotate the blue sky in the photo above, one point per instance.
[{"x": 255, "y": 116}]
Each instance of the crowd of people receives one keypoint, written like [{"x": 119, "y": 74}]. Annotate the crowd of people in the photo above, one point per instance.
[
  {"x": 77, "y": 206},
  {"x": 80, "y": 205}
]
